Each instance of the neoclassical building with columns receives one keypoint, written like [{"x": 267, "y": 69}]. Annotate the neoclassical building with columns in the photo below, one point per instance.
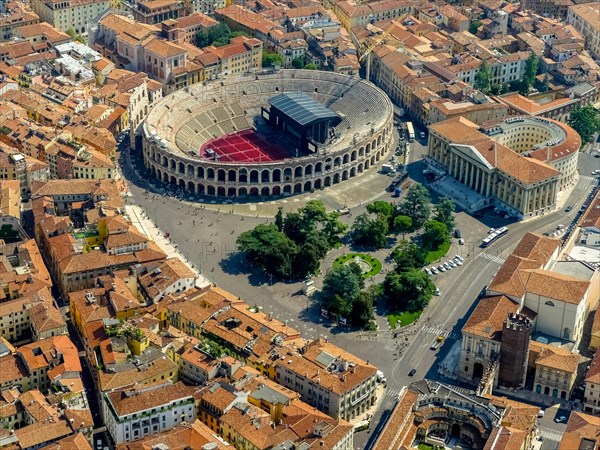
[{"x": 518, "y": 164}]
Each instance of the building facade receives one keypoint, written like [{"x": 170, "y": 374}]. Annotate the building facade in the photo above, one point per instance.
[
  {"x": 73, "y": 15},
  {"x": 584, "y": 18}
]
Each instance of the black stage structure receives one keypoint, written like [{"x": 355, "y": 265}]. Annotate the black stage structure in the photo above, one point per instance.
[{"x": 301, "y": 119}]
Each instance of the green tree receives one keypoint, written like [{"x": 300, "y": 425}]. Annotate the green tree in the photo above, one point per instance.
[
  {"x": 474, "y": 26},
  {"x": 279, "y": 219},
  {"x": 408, "y": 291},
  {"x": 416, "y": 205},
  {"x": 271, "y": 59},
  {"x": 298, "y": 62},
  {"x": 341, "y": 287},
  {"x": 75, "y": 36},
  {"x": 434, "y": 235},
  {"x": 586, "y": 121},
  {"x": 530, "y": 72},
  {"x": 362, "y": 308},
  {"x": 311, "y": 66},
  {"x": 444, "y": 212},
  {"x": 495, "y": 89},
  {"x": 307, "y": 260},
  {"x": 217, "y": 35},
  {"x": 382, "y": 208},
  {"x": 402, "y": 224},
  {"x": 369, "y": 232},
  {"x": 505, "y": 89},
  {"x": 268, "y": 248},
  {"x": 407, "y": 256},
  {"x": 483, "y": 78}
]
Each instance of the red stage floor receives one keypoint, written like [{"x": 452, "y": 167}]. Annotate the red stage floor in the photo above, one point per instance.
[{"x": 245, "y": 146}]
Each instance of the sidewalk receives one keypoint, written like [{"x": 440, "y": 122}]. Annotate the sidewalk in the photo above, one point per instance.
[{"x": 153, "y": 233}]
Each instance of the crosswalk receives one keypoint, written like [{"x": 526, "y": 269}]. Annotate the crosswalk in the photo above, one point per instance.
[
  {"x": 549, "y": 434},
  {"x": 492, "y": 258},
  {"x": 440, "y": 332},
  {"x": 393, "y": 393},
  {"x": 587, "y": 178}
]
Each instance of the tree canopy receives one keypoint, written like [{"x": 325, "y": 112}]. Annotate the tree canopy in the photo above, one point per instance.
[
  {"x": 217, "y": 35},
  {"x": 402, "y": 224},
  {"x": 434, "y": 235},
  {"x": 407, "y": 255},
  {"x": 483, "y": 77},
  {"x": 370, "y": 232},
  {"x": 586, "y": 121},
  {"x": 474, "y": 26},
  {"x": 444, "y": 212},
  {"x": 416, "y": 205},
  {"x": 271, "y": 59},
  {"x": 311, "y": 66},
  {"x": 408, "y": 291},
  {"x": 294, "y": 245},
  {"x": 341, "y": 287},
  {"x": 530, "y": 72}
]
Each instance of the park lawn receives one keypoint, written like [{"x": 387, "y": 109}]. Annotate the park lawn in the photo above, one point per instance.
[
  {"x": 404, "y": 318},
  {"x": 434, "y": 255},
  {"x": 373, "y": 262},
  {"x": 423, "y": 446}
]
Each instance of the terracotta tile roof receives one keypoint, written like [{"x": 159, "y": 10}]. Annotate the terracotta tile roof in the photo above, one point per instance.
[
  {"x": 391, "y": 437},
  {"x": 13, "y": 369},
  {"x": 74, "y": 442},
  {"x": 581, "y": 429},
  {"x": 130, "y": 401},
  {"x": 218, "y": 397},
  {"x": 487, "y": 319},
  {"x": 45, "y": 317},
  {"x": 112, "y": 381},
  {"x": 168, "y": 273},
  {"x": 558, "y": 359},
  {"x": 164, "y": 49},
  {"x": 591, "y": 217},
  {"x": 39, "y": 433},
  {"x": 194, "y": 436},
  {"x": 555, "y": 285},
  {"x": 593, "y": 374}
]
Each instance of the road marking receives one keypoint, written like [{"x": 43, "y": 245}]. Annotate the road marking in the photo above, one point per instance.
[
  {"x": 393, "y": 393},
  {"x": 492, "y": 258},
  {"x": 552, "y": 435},
  {"x": 440, "y": 332},
  {"x": 587, "y": 177}
]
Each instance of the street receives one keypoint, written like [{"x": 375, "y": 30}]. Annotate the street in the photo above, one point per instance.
[{"x": 206, "y": 236}]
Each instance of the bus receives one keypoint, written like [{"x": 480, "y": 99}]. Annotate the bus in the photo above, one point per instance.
[
  {"x": 494, "y": 236},
  {"x": 411, "y": 131}
]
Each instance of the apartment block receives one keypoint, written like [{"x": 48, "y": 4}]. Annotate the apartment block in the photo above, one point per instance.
[
  {"x": 138, "y": 412},
  {"x": 65, "y": 15},
  {"x": 171, "y": 277},
  {"x": 584, "y": 18},
  {"x": 14, "y": 15},
  {"x": 156, "y": 11},
  {"x": 591, "y": 393}
]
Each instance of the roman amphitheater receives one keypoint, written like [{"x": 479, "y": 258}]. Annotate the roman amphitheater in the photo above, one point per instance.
[{"x": 215, "y": 139}]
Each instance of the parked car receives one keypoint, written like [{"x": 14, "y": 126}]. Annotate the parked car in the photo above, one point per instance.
[
  {"x": 452, "y": 264},
  {"x": 569, "y": 208},
  {"x": 458, "y": 262},
  {"x": 427, "y": 271},
  {"x": 441, "y": 268},
  {"x": 447, "y": 266},
  {"x": 437, "y": 292},
  {"x": 560, "y": 419},
  {"x": 457, "y": 233},
  {"x": 434, "y": 270},
  {"x": 412, "y": 372},
  {"x": 461, "y": 242},
  {"x": 460, "y": 258}
]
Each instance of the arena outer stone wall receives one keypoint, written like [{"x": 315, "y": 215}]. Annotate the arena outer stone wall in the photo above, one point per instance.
[{"x": 183, "y": 122}]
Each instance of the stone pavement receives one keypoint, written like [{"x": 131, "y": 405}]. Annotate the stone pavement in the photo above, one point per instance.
[{"x": 153, "y": 233}]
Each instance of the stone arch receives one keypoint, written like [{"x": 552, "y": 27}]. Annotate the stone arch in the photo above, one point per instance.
[
  {"x": 379, "y": 140},
  {"x": 191, "y": 186},
  {"x": 367, "y": 164},
  {"x": 210, "y": 190},
  {"x": 165, "y": 177},
  {"x": 173, "y": 181},
  {"x": 164, "y": 161},
  {"x": 368, "y": 148},
  {"x": 287, "y": 175},
  {"x": 353, "y": 172},
  {"x": 297, "y": 188},
  {"x": 231, "y": 176},
  {"x": 210, "y": 173},
  {"x": 265, "y": 176},
  {"x": 318, "y": 167},
  {"x": 360, "y": 168},
  {"x": 243, "y": 192},
  {"x": 546, "y": 390},
  {"x": 156, "y": 173},
  {"x": 190, "y": 170},
  {"x": 344, "y": 175},
  {"x": 372, "y": 159},
  {"x": 276, "y": 175},
  {"x": 172, "y": 165},
  {"x": 336, "y": 178},
  {"x": 374, "y": 144},
  {"x": 264, "y": 191},
  {"x": 377, "y": 156},
  {"x": 361, "y": 152},
  {"x": 477, "y": 370},
  {"x": 337, "y": 161},
  {"x": 221, "y": 191},
  {"x": 346, "y": 159},
  {"x": 327, "y": 181},
  {"x": 200, "y": 172},
  {"x": 353, "y": 155},
  {"x": 221, "y": 175},
  {"x": 308, "y": 170},
  {"x": 307, "y": 186},
  {"x": 181, "y": 167},
  {"x": 231, "y": 192},
  {"x": 276, "y": 190},
  {"x": 298, "y": 172},
  {"x": 254, "y": 176},
  {"x": 318, "y": 183},
  {"x": 287, "y": 189},
  {"x": 243, "y": 175},
  {"x": 200, "y": 189}
]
